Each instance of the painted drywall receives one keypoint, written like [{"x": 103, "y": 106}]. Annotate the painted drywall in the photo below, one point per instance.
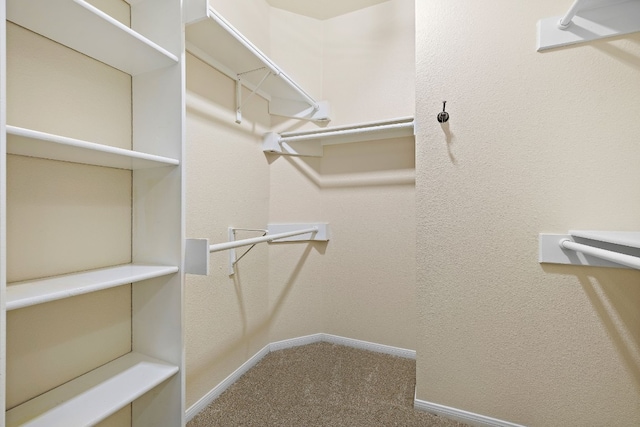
[
  {"x": 531, "y": 146},
  {"x": 64, "y": 217},
  {"x": 227, "y": 186},
  {"x": 359, "y": 286}
]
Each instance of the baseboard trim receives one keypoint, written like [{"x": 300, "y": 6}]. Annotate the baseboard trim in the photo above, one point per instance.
[
  {"x": 348, "y": 342},
  {"x": 225, "y": 384},
  {"x": 466, "y": 417},
  {"x": 194, "y": 409}
]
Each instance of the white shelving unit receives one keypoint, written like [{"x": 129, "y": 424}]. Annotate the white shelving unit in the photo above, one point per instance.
[
  {"x": 215, "y": 41},
  {"x": 619, "y": 249},
  {"x": 151, "y": 376},
  {"x": 310, "y": 143}
]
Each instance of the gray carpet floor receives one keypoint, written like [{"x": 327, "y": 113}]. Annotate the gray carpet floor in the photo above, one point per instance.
[{"x": 322, "y": 384}]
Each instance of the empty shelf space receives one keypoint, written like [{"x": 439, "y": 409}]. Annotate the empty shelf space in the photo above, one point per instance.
[
  {"x": 26, "y": 142},
  {"x": 32, "y": 292},
  {"x": 94, "y": 396},
  {"x": 216, "y": 42},
  {"x": 82, "y": 27}
]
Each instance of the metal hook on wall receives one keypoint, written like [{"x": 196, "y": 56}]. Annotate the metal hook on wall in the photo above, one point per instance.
[{"x": 443, "y": 116}]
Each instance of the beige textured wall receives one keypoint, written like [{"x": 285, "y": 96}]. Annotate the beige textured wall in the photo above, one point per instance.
[
  {"x": 365, "y": 191},
  {"x": 537, "y": 142},
  {"x": 65, "y": 217},
  {"x": 362, "y": 283},
  {"x": 227, "y": 186}
]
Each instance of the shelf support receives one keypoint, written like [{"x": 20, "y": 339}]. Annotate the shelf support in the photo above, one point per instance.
[
  {"x": 198, "y": 250},
  {"x": 589, "y": 20},
  {"x": 575, "y": 250},
  {"x": 239, "y": 102}
]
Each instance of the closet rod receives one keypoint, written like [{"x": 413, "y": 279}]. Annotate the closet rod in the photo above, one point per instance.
[
  {"x": 343, "y": 132},
  {"x": 252, "y": 241},
  {"x": 618, "y": 258},
  {"x": 565, "y": 22},
  {"x": 261, "y": 56}
]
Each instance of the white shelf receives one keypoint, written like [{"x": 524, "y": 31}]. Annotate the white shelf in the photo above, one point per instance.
[
  {"x": 593, "y": 20},
  {"x": 310, "y": 143},
  {"x": 215, "y": 41},
  {"x": 26, "y": 142},
  {"x": 83, "y": 27},
  {"x": 32, "y": 292},
  {"x": 94, "y": 396},
  {"x": 623, "y": 238}
]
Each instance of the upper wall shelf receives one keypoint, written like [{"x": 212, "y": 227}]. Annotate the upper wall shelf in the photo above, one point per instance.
[
  {"x": 594, "y": 248},
  {"x": 83, "y": 27},
  {"x": 588, "y": 20},
  {"x": 31, "y": 143},
  {"x": 311, "y": 143},
  {"x": 215, "y": 41}
]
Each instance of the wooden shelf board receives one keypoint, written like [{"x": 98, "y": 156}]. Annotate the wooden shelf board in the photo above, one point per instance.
[
  {"x": 94, "y": 396},
  {"x": 31, "y": 292},
  {"x": 26, "y": 142}
]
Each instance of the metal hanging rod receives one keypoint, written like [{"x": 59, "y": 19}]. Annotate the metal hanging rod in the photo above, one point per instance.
[
  {"x": 197, "y": 251},
  {"x": 618, "y": 258},
  {"x": 345, "y": 132},
  {"x": 268, "y": 238}
]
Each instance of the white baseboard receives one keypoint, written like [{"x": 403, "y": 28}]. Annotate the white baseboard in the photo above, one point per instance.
[
  {"x": 225, "y": 384},
  {"x": 470, "y": 418},
  {"x": 194, "y": 409},
  {"x": 348, "y": 342}
]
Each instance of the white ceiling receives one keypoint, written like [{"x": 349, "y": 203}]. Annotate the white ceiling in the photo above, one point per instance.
[{"x": 322, "y": 9}]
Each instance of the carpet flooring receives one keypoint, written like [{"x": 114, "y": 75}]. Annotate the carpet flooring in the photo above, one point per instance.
[{"x": 322, "y": 384}]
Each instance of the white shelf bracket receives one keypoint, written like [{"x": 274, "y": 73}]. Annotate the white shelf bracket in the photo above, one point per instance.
[
  {"x": 239, "y": 102},
  {"x": 589, "y": 20},
  {"x": 198, "y": 250},
  {"x": 575, "y": 250}
]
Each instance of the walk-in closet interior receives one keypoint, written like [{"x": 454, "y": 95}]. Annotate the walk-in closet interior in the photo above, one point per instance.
[{"x": 188, "y": 185}]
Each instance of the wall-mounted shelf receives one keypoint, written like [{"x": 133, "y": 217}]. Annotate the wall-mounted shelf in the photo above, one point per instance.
[
  {"x": 198, "y": 250},
  {"x": 26, "y": 142},
  {"x": 215, "y": 41},
  {"x": 310, "y": 143},
  {"x": 83, "y": 27},
  {"x": 593, "y": 248},
  {"x": 589, "y": 20},
  {"x": 94, "y": 396},
  {"x": 31, "y": 292}
]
